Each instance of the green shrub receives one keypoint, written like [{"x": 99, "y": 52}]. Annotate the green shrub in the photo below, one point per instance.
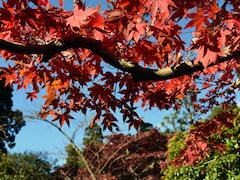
[
  {"x": 223, "y": 159},
  {"x": 176, "y": 144}
]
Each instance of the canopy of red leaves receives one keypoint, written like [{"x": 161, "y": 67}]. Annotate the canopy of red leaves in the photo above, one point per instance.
[{"x": 138, "y": 32}]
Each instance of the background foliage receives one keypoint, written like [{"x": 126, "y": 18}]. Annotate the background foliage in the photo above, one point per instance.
[
  {"x": 27, "y": 166},
  {"x": 11, "y": 121},
  {"x": 219, "y": 137}
]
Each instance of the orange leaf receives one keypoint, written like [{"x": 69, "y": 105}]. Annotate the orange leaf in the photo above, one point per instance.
[
  {"x": 49, "y": 98},
  {"x": 98, "y": 35},
  {"x": 179, "y": 96},
  {"x": 60, "y": 3}
]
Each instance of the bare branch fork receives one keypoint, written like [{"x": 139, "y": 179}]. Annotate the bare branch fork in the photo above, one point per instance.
[{"x": 138, "y": 72}]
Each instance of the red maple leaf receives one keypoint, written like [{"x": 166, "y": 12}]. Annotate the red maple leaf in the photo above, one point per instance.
[{"x": 31, "y": 95}]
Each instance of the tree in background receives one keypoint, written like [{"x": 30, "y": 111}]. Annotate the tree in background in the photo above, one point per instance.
[
  {"x": 92, "y": 136},
  {"x": 123, "y": 157},
  {"x": 28, "y": 166},
  {"x": 73, "y": 160},
  {"x": 136, "y": 51},
  {"x": 11, "y": 122},
  {"x": 182, "y": 118},
  {"x": 210, "y": 150}
]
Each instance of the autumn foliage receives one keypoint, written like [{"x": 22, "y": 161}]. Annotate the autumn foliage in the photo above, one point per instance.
[
  {"x": 122, "y": 157},
  {"x": 134, "y": 52},
  {"x": 200, "y": 141},
  {"x": 209, "y": 150}
]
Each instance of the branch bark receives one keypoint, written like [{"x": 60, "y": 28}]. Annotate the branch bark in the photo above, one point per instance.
[{"x": 138, "y": 72}]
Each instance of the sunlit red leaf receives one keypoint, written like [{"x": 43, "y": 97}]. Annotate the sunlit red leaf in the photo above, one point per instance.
[
  {"x": 60, "y": 3},
  {"x": 163, "y": 5},
  {"x": 124, "y": 3},
  {"x": 98, "y": 35},
  {"x": 40, "y": 2}
]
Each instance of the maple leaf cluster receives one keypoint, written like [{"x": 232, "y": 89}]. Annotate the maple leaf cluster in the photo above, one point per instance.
[
  {"x": 67, "y": 53},
  {"x": 200, "y": 142}
]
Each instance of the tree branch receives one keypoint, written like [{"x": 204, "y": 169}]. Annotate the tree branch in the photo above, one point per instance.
[{"x": 138, "y": 72}]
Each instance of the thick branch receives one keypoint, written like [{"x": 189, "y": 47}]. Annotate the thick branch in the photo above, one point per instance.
[{"x": 138, "y": 72}]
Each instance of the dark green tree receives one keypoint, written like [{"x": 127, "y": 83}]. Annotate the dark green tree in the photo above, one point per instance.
[
  {"x": 27, "y": 166},
  {"x": 73, "y": 160},
  {"x": 11, "y": 122},
  {"x": 93, "y": 135},
  {"x": 145, "y": 127}
]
